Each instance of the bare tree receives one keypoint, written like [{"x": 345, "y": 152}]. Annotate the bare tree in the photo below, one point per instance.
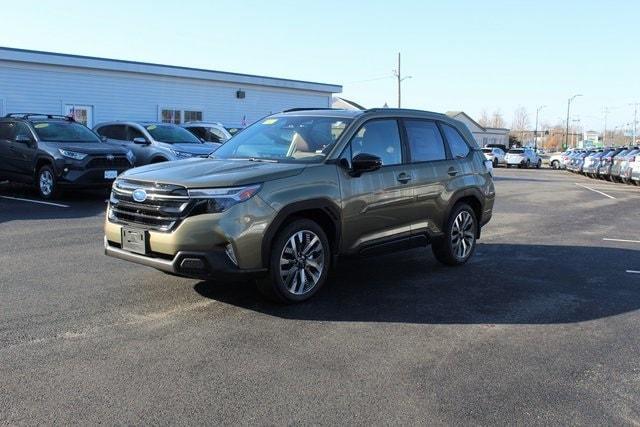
[
  {"x": 497, "y": 121},
  {"x": 520, "y": 120},
  {"x": 484, "y": 119}
]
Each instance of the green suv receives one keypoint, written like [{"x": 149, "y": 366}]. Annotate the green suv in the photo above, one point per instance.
[{"x": 284, "y": 198}]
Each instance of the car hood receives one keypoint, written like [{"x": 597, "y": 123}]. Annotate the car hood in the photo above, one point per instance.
[
  {"x": 95, "y": 148},
  {"x": 196, "y": 149},
  {"x": 202, "y": 173}
]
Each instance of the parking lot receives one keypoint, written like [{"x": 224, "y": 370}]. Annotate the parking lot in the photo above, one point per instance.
[{"x": 540, "y": 327}]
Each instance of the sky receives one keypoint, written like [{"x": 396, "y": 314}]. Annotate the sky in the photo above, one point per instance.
[{"x": 462, "y": 55}]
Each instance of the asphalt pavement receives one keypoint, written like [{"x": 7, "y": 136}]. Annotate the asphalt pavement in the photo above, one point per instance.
[{"x": 542, "y": 326}]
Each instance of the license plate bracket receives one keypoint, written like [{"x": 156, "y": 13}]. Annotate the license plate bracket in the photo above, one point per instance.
[
  {"x": 134, "y": 240},
  {"x": 110, "y": 174}
]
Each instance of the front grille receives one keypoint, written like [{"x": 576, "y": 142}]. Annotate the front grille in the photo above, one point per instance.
[
  {"x": 104, "y": 162},
  {"x": 165, "y": 205}
]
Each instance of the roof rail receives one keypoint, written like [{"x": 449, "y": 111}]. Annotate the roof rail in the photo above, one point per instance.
[
  {"x": 27, "y": 116},
  {"x": 310, "y": 109}
]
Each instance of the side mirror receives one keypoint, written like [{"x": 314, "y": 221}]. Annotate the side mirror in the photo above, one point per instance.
[
  {"x": 141, "y": 141},
  {"x": 364, "y": 162},
  {"x": 23, "y": 139}
]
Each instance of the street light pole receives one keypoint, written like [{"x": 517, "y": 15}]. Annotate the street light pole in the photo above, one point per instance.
[
  {"x": 566, "y": 136},
  {"x": 635, "y": 121},
  {"x": 535, "y": 132}
]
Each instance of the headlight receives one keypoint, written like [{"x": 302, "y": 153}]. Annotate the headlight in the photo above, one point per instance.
[
  {"x": 181, "y": 154},
  {"x": 131, "y": 157},
  {"x": 220, "y": 199},
  {"x": 72, "y": 154}
]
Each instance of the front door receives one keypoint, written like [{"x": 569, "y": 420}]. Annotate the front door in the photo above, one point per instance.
[
  {"x": 22, "y": 153},
  {"x": 376, "y": 205}
]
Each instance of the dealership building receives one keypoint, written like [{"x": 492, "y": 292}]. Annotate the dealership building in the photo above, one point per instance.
[{"x": 95, "y": 90}]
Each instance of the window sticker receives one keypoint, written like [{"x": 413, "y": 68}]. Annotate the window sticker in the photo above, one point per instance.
[
  {"x": 151, "y": 127},
  {"x": 41, "y": 125},
  {"x": 269, "y": 121}
]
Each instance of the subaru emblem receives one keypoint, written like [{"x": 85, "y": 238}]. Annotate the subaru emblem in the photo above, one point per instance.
[
  {"x": 139, "y": 195},
  {"x": 110, "y": 157}
]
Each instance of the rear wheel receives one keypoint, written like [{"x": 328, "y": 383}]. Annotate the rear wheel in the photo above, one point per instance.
[
  {"x": 46, "y": 183},
  {"x": 495, "y": 163},
  {"x": 459, "y": 241},
  {"x": 538, "y": 164},
  {"x": 555, "y": 164},
  {"x": 528, "y": 164},
  {"x": 299, "y": 263}
]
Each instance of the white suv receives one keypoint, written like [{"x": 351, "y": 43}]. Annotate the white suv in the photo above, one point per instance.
[{"x": 523, "y": 158}]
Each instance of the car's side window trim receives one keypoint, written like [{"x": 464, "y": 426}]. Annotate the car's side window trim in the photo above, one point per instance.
[{"x": 447, "y": 152}]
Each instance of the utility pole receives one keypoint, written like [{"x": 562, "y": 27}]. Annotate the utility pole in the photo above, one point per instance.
[
  {"x": 535, "y": 132},
  {"x": 398, "y": 74},
  {"x": 566, "y": 136}
]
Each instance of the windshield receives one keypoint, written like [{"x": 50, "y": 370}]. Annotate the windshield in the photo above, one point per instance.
[
  {"x": 516, "y": 151},
  {"x": 171, "y": 134},
  {"x": 64, "y": 132},
  {"x": 297, "y": 139}
]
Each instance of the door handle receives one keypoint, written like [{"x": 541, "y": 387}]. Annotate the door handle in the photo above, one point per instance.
[
  {"x": 452, "y": 171},
  {"x": 404, "y": 177}
]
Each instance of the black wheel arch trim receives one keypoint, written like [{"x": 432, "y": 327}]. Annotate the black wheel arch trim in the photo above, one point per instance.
[
  {"x": 324, "y": 204},
  {"x": 460, "y": 194}
]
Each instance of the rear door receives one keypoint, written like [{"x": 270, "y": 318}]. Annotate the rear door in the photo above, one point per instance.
[{"x": 433, "y": 168}]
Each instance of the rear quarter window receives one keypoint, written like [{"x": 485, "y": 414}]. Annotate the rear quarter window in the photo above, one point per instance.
[{"x": 458, "y": 146}]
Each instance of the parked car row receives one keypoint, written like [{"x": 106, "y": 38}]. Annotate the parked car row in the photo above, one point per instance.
[
  {"x": 53, "y": 151},
  {"x": 616, "y": 164},
  {"x": 514, "y": 157}
]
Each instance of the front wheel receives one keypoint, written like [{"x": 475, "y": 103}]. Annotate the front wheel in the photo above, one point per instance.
[
  {"x": 299, "y": 263},
  {"x": 459, "y": 241},
  {"x": 555, "y": 164},
  {"x": 46, "y": 182},
  {"x": 495, "y": 163},
  {"x": 538, "y": 164}
]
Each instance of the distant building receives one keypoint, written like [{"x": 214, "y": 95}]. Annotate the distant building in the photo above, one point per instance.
[
  {"x": 99, "y": 89},
  {"x": 483, "y": 135},
  {"x": 345, "y": 104}
]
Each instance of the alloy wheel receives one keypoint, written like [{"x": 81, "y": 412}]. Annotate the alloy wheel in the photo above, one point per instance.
[
  {"x": 46, "y": 182},
  {"x": 302, "y": 262},
  {"x": 462, "y": 235}
]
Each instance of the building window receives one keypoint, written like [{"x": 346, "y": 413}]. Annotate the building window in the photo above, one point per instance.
[
  {"x": 192, "y": 116},
  {"x": 171, "y": 116},
  {"x": 80, "y": 113}
]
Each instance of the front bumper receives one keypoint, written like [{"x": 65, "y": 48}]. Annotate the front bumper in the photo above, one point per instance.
[
  {"x": 86, "y": 173},
  {"x": 199, "y": 265}
]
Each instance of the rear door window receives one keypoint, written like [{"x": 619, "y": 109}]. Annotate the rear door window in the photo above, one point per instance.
[{"x": 425, "y": 141}]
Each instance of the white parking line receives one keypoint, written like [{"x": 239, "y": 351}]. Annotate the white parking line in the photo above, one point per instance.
[
  {"x": 621, "y": 240},
  {"x": 633, "y": 271},
  {"x": 595, "y": 191},
  {"x": 59, "y": 205}
]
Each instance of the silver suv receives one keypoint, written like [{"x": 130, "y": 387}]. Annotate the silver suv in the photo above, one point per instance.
[{"x": 155, "y": 142}]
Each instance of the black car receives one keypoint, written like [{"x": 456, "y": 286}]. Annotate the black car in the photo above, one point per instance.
[{"x": 53, "y": 152}]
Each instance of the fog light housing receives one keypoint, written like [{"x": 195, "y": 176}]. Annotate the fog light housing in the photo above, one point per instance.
[{"x": 231, "y": 254}]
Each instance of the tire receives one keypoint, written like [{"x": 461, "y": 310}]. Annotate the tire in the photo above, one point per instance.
[
  {"x": 447, "y": 250},
  {"x": 46, "y": 183},
  {"x": 294, "y": 287},
  {"x": 555, "y": 164},
  {"x": 495, "y": 163},
  {"x": 508, "y": 166},
  {"x": 538, "y": 164}
]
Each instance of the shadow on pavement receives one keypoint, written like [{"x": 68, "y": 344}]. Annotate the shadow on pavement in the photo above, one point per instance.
[
  {"x": 81, "y": 204},
  {"x": 503, "y": 284}
]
